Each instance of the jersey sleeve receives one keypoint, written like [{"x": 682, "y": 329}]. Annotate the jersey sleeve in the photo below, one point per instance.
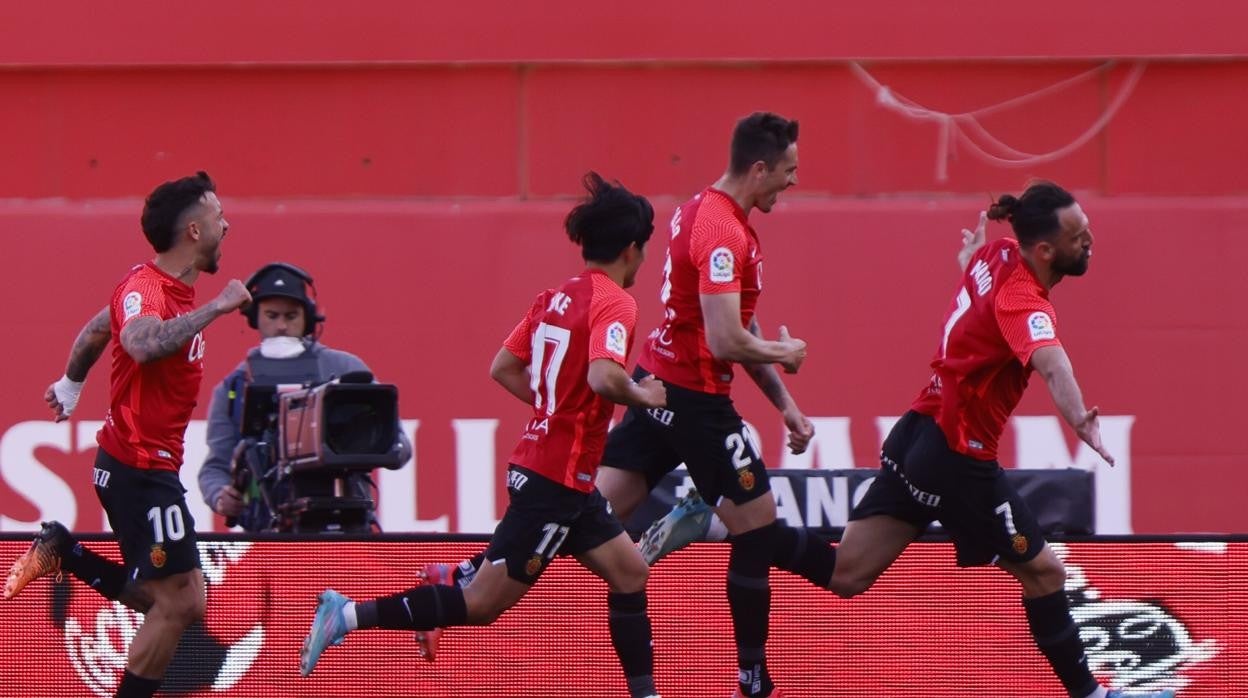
[
  {"x": 612, "y": 318},
  {"x": 718, "y": 249},
  {"x": 1027, "y": 320},
  {"x": 138, "y": 297},
  {"x": 520, "y": 341}
]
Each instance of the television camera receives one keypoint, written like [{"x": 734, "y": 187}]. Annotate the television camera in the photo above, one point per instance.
[{"x": 307, "y": 450}]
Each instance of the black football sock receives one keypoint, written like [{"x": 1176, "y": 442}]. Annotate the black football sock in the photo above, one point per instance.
[
  {"x": 98, "y": 572},
  {"x": 805, "y": 554},
  {"x": 135, "y": 686},
  {"x": 749, "y": 601},
  {"x": 1057, "y": 636},
  {"x": 630, "y": 634},
  {"x": 422, "y": 608}
]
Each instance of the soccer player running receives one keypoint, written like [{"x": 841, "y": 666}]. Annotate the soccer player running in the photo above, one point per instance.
[
  {"x": 939, "y": 460},
  {"x": 157, "y": 365},
  {"x": 712, "y": 281},
  {"x": 566, "y": 359},
  {"x": 711, "y": 284}
]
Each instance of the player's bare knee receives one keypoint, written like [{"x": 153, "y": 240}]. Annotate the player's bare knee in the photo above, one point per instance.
[
  {"x": 1049, "y": 576},
  {"x": 186, "y": 607},
  {"x": 847, "y": 586},
  {"x": 136, "y": 597},
  {"x": 484, "y": 613},
  {"x": 632, "y": 578},
  {"x": 1041, "y": 576},
  {"x": 189, "y": 613},
  {"x": 482, "y": 609}
]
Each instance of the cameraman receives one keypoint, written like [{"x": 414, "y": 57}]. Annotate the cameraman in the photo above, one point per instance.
[{"x": 289, "y": 353}]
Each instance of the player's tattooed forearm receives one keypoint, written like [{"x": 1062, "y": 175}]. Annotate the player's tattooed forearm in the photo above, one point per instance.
[
  {"x": 88, "y": 346},
  {"x": 148, "y": 339}
]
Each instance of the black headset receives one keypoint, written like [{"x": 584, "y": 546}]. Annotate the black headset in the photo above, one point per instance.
[{"x": 311, "y": 316}]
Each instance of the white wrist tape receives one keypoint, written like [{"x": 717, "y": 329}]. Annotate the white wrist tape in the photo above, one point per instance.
[{"x": 67, "y": 392}]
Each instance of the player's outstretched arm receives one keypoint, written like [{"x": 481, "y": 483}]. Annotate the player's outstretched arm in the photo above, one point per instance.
[
  {"x": 728, "y": 340},
  {"x": 1054, "y": 366},
  {"x": 767, "y": 378},
  {"x": 973, "y": 240},
  {"x": 512, "y": 372},
  {"x": 610, "y": 380},
  {"x": 62, "y": 396},
  {"x": 148, "y": 338}
]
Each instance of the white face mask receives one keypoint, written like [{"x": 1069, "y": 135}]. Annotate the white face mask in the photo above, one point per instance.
[{"x": 281, "y": 347}]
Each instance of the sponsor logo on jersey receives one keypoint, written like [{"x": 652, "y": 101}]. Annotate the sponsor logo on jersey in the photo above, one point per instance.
[
  {"x": 1041, "y": 326},
  {"x": 132, "y": 304},
  {"x": 617, "y": 339},
  {"x": 721, "y": 265},
  {"x": 661, "y": 415},
  {"x": 516, "y": 480}
]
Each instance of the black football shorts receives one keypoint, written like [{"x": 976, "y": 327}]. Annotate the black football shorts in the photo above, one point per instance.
[
  {"x": 701, "y": 430},
  {"x": 148, "y": 513},
  {"x": 922, "y": 480}
]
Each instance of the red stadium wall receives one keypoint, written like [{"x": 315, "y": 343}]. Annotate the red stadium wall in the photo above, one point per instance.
[
  {"x": 487, "y": 99},
  {"x": 417, "y": 160},
  {"x": 1152, "y": 615},
  {"x": 430, "y": 297}
]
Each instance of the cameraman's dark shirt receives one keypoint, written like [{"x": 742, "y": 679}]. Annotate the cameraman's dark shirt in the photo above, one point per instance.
[{"x": 223, "y": 434}]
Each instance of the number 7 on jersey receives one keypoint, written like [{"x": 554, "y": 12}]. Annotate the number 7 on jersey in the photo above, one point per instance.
[{"x": 545, "y": 368}]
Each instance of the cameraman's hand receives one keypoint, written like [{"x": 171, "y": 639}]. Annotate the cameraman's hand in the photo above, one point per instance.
[{"x": 229, "y": 502}]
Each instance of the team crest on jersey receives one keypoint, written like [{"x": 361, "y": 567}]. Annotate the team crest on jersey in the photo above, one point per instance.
[
  {"x": 534, "y": 566},
  {"x": 158, "y": 556},
  {"x": 746, "y": 478},
  {"x": 617, "y": 339},
  {"x": 132, "y": 304},
  {"x": 721, "y": 265},
  {"x": 1041, "y": 326},
  {"x": 1019, "y": 542}
]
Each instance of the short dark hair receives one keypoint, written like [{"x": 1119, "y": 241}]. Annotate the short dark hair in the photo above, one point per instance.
[
  {"x": 608, "y": 220},
  {"x": 1033, "y": 216},
  {"x": 760, "y": 136},
  {"x": 164, "y": 207}
]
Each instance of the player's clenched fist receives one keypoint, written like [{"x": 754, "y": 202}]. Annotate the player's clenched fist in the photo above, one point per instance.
[
  {"x": 233, "y": 296},
  {"x": 796, "y": 351},
  {"x": 654, "y": 391}
]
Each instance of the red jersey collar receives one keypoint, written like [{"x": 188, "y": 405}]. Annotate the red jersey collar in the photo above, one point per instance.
[
  {"x": 736, "y": 208},
  {"x": 152, "y": 265},
  {"x": 1031, "y": 273}
]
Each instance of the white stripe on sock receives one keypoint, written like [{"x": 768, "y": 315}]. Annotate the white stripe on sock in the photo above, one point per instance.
[{"x": 348, "y": 614}]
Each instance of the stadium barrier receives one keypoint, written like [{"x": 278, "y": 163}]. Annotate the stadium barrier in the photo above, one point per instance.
[
  {"x": 1063, "y": 500},
  {"x": 1153, "y": 613}
]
